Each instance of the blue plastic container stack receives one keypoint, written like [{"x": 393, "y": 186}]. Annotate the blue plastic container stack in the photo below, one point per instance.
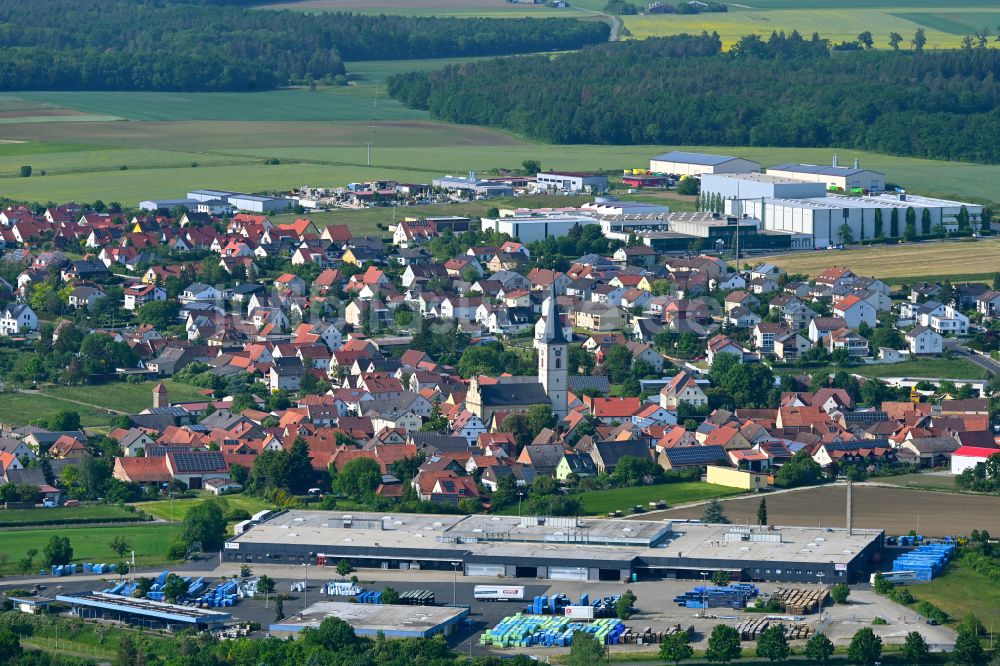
[
  {"x": 369, "y": 598},
  {"x": 927, "y": 561},
  {"x": 735, "y": 595}
]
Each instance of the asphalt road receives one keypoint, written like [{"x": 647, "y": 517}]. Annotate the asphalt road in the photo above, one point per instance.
[{"x": 982, "y": 360}]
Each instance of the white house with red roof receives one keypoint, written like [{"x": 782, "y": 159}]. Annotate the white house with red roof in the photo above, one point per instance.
[{"x": 854, "y": 311}]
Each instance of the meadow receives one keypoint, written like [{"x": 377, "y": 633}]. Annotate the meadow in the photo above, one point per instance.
[
  {"x": 91, "y": 402},
  {"x": 175, "y": 510},
  {"x": 602, "y": 501},
  {"x": 64, "y": 515},
  {"x": 902, "y": 264},
  {"x": 90, "y": 544}
]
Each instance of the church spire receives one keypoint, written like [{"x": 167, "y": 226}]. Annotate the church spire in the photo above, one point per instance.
[{"x": 553, "y": 333}]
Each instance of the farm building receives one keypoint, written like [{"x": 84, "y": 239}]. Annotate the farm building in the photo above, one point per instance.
[
  {"x": 568, "y": 181},
  {"x": 392, "y": 621},
  {"x": 681, "y": 163},
  {"x": 558, "y": 548},
  {"x": 967, "y": 457},
  {"x": 834, "y": 177}
]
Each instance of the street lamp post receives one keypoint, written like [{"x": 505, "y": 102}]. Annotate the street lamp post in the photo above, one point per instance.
[
  {"x": 454, "y": 584},
  {"x": 305, "y": 586},
  {"x": 704, "y": 592}
]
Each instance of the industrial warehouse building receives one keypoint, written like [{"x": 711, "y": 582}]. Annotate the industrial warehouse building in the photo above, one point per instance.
[
  {"x": 673, "y": 233},
  {"x": 759, "y": 186},
  {"x": 250, "y": 203},
  {"x": 816, "y": 222},
  {"x": 834, "y": 177},
  {"x": 472, "y": 185},
  {"x": 529, "y": 228},
  {"x": 558, "y": 548},
  {"x": 143, "y": 612},
  {"x": 392, "y": 621},
  {"x": 681, "y": 163},
  {"x": 568, "y": 181}
]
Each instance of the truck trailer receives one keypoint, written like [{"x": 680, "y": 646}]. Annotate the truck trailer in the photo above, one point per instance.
[{"x": 499, "y": 593}]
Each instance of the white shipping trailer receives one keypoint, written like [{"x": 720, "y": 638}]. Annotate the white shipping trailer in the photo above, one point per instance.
[
  {"x": 499, "y": 593},
  {"x": 580, "y": 612}
]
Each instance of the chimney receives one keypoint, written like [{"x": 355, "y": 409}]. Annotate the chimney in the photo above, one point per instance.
[
  {"x": 850, "y": 507},
  {"x": 857, "y": 163},
  {"x": 836, "y": 159}
]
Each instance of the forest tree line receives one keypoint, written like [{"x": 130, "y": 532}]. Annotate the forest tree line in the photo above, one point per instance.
[
  {"x": 165, "y": 45},
  {"x": 782, "y": 91}
]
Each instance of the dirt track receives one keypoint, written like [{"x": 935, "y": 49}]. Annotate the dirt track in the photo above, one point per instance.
[{"x": 895, "y": 510}]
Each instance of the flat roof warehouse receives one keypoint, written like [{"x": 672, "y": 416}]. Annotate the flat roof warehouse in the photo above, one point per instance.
[{"x": 555, "y": 548}]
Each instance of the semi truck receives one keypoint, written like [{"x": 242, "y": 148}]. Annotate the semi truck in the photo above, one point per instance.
[{"x": 499, "y": 592}]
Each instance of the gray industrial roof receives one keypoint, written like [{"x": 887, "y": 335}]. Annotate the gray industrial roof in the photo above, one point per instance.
[
  {"x": 820, "y": 169},
  {"x": 694, "y": 158},
  {"x": 563, "y": 538}
]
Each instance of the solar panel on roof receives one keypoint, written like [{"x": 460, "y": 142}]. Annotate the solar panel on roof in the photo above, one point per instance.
[
  {"x": 208, "y": 461},
  {"x": 695, "y": 454}
]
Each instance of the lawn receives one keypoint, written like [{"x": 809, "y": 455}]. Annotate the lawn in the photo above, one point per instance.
[
  {"x": 176, "y": 509},
  {"x": 940, "y": 368},
  {"x": 91, "y": 544},
  {"x": 602, "y": 501},
  {"x": 13, "y": 517},
  {"x": 924, "y": 481},
  {"x": 902, "y": 264},
  {"x": 961, "y": 590}
]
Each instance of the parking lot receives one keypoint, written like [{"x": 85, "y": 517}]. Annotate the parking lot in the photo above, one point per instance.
[{"x": 655, "y": 604}]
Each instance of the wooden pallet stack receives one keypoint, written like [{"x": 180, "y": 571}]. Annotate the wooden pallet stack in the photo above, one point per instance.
[
  {"x": 750, "y": 630},
  {"x": 800, "y": 601},
  {"x": 649, "y": 637}
]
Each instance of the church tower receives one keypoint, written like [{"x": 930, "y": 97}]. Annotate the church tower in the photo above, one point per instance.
[{"x": 553, "y": 370}]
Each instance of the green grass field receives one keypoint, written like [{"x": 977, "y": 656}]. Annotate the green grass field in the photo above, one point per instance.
[
  {"x": 13, "y": 517},
  {"x": 90, "y": 544},
  {"x": 956, "y": 368},
  {"x": 23, "y": 408},
  {"x": 922, "y": 481},
  {"x": 960, "y": 591},
  {"x": 602, "y": 501},
  {"x": 175, "y": 510}
]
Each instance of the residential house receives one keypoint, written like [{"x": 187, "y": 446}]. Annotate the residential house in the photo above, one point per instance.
[
  {"x": 921, "y": 340},
  {"x": 682, "y": 388},
  {"x": 855, "y": 311},
  {"x": 17, "y": 319}
]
